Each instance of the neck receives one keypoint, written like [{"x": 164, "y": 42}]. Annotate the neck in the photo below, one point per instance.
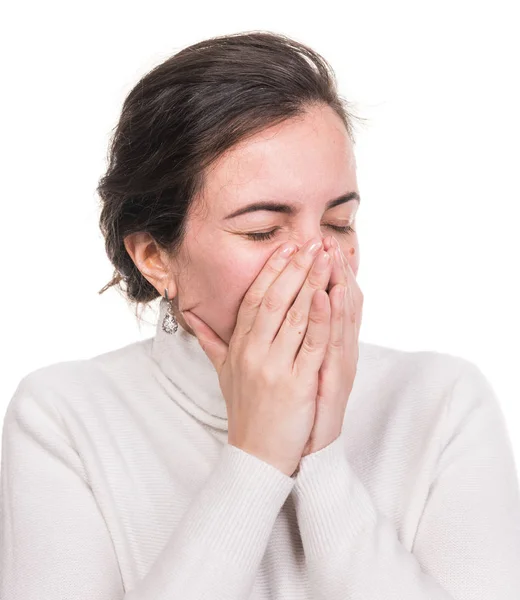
[{"x": 189, "y": 370}]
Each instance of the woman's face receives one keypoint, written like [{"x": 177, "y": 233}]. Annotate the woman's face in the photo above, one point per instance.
[{"x": 303, "y": 163}]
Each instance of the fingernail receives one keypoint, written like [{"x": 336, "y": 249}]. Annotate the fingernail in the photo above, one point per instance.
[
  {"x": 322, "y": 262},
  {"x": 287, "y": 250},
  {"x": 313, "y": 246}
]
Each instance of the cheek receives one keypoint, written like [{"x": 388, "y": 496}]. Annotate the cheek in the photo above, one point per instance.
[
  {"x": 241, "y": 273},
  {"x": 225, "y": 287},
  {"x": 238, "y": 275},
  {"x": 229, "y": 276}
]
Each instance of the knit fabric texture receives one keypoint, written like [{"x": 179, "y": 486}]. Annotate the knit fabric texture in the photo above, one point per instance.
[{"x": 118, "y": 483}]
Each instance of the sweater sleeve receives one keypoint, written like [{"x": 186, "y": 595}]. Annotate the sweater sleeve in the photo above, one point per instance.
[
  {"x": 54, "y": 542},
  {"x": 467, "y": 543}
]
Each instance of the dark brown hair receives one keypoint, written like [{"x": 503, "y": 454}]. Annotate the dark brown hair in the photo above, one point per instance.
[{"x": 184, "y": 114}]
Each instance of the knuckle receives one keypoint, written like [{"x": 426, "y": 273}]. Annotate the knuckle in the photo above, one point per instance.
[
  {"x": 314, "y": 281},
  {"x": 300, "y": 264},
  {"x": 268, "y": 375},
  {"x": 247, "y": 357},
  {"x": 272, "y": 301},
  {"x": 273, "y": 268},
  {"x": 318, "y": 317},
  {"x": 253, "y": 299},
  {"x": 336, "y": 343},
  {"x": 295, "y": 316},
  {"x": 311, "y": 344}
]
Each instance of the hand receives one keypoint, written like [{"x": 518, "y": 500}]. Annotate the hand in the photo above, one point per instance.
[
  {"x": 337, "y": 373},
  {"x": 269, "y": 372}
]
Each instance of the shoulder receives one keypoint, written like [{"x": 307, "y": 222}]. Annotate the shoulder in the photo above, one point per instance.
[
  {"x": 412, "y": 365},
  {"x": 419, "y": 375},
  {"x": 422, "y": 395},
  {"x": 76, "y": 382}
]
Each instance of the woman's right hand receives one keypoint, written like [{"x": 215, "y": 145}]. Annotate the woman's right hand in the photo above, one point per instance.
[{"x": 268, "y": 373}]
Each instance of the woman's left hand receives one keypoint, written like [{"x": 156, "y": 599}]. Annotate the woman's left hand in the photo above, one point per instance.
[{"x": 337, "y": 372}]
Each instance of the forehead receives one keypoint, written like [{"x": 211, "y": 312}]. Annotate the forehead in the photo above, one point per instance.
[{"x": 303, "y": 159}]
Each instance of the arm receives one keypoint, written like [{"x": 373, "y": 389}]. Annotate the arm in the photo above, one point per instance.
[
  {"x": 54, "y": 542},
  {"x": 467, "y": 544}
]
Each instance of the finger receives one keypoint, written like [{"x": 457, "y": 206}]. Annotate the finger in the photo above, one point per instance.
[
  {"x": 355, "y": 300},
  {"x": 340, "y": 259},
  {"x": 288, "y": 339},
  {"x": 355, "y": 294},
  {"x": 352, "y": 283},
  {"x": 314, "y": 346},
  {"x": 337, "y": 325},
  {"x": 337, "y": 275},
  {"x": 336, "y": 339},
  {"x": 254, "y": 296},
  {"x": 300, "y": 272},
  {"x": 214, "y": 347}
]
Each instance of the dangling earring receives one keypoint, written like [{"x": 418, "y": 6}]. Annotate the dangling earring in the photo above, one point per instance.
[{"x": 169, "y": 323}]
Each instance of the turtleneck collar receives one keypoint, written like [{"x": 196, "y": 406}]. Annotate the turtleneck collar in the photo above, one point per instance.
[{"x": 188, "y": 368}]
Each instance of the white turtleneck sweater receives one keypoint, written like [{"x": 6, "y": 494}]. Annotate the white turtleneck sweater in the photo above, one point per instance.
[{"x": 117, "y": 482}]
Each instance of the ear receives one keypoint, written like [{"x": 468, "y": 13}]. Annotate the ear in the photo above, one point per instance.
[{"x": 152, "y": 261}]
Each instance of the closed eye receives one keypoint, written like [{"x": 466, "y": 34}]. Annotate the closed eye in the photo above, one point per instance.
[{"x": 267, "y": 235}]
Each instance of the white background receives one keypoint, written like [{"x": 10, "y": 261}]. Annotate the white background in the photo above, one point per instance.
[{"x": 438, "y": 168}]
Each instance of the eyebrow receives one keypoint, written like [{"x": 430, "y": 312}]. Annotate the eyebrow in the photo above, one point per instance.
[{"x": 289, "y": 209}]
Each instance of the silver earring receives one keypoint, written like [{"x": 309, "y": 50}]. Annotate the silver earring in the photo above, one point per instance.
[{"x": 169, "y": 324}]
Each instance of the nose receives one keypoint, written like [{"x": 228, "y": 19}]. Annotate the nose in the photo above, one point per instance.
[{"x": 304, "y": 237}]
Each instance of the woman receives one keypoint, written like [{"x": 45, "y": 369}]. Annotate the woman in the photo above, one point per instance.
[{"x": 218, "y": 459}]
